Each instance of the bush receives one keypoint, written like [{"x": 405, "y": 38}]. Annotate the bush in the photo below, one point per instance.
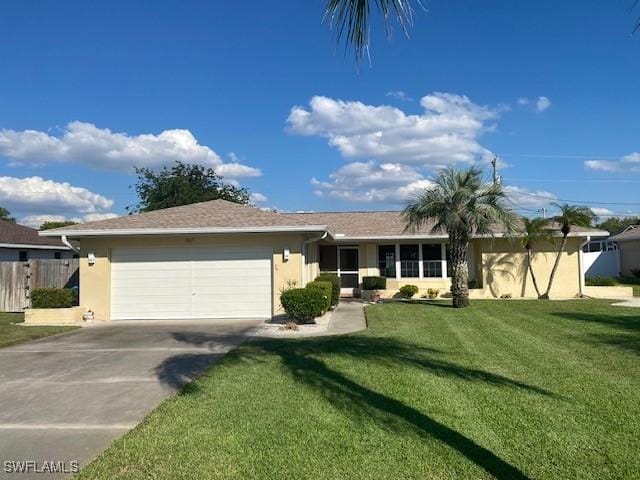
[
  {"x": 635, "y": 272},
  {"x": 335, "y": 286},
  {"x": 408, "y": 291},
  {"x": 303, "y": 304},
  {"x": 325, "y": 288},
  {"x": 374, "y": 283},
  {"x": 433, "y": 293},
  {"x": 600, "y": 281},
  {"x": 52, "y": 298}
]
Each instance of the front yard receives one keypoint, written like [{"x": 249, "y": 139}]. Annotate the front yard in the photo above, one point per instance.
[
  {"x": 11, "y": 334},
  {"x": 504, "y": 389}
]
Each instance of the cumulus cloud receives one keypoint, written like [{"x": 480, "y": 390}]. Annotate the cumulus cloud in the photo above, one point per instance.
[
  {"x": 35, "y": 221},
  {"x": 400, "y": 95},
  {"x": 542, "y": 103},
  {"x": 523, "y": 198},
  {"x": 84, "y": 143},
  {"x": 601, "y": 212},
  {"x": 445, "y": 133},
  {"x": 257, "y": 197},
  {"x": 34, "y": 200},
  {"x": 629, "y": 164}
]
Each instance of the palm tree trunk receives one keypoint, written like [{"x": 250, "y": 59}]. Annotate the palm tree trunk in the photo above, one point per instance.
[
  {"x": 545, "y": 296},
  {"x": 459, "y": 274},
  {"x": 533, "y": 275}
]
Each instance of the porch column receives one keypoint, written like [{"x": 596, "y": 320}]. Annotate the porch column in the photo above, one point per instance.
[
  {"x": 420, "y": 262},
  {"x": 397, "y": 261},
  {"x": 443, "y": 260}
]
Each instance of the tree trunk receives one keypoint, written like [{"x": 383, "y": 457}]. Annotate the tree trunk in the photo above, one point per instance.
[
  {"x": 545, "y": 296},
  {"x": 459, "y": 273},
  {"x": 533, "y": 275}
]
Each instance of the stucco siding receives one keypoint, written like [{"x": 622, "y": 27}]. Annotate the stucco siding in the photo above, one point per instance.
[
  {"x": 95, "y": 280},
  {"x": 629, "y": 256}
]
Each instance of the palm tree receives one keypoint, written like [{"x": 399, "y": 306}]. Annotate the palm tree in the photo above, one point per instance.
[
  {"x": 570, "y": 215},
  {"x": 534, "y": 231},
  {"x": 462, "y": 204},
  {"x": 350, "y": 19}
]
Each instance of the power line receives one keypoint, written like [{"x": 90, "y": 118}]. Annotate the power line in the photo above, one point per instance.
[
  {"x": 569, "y": 180},
  {"x": 555, "y": 199}
]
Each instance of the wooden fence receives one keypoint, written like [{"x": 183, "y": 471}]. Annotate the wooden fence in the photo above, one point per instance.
[{"x": 17, "y": 279}]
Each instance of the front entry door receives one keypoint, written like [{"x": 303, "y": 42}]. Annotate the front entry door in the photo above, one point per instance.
[{"x": 348, "y": 270}]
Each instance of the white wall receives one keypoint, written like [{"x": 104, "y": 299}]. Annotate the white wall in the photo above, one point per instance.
[{"x": 601, "y": 263}]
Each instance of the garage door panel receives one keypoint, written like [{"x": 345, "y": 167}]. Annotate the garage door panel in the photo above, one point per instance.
[{"x": 177, "y": 282}]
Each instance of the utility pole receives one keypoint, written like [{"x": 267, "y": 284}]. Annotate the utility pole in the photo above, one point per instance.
[
  {"x": 543, "y": 210},
  {"x": 494, "y": 166}
]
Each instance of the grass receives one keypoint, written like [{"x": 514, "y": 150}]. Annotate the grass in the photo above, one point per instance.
[
  {"x": 11, "y": 334},
  {"x": 503, "y": 389}
]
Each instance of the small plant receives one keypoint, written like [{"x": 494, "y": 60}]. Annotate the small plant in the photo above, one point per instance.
[
  {"x": 433, "y": 293},
  {"x": 374, "y": 283},
  {"x": 325, "y": 288},
  {"x": 303, "y": 304},
  {"x": 600, "y": 281},
  {"x": 289, "y": 284},
  {"x": 506, "y": 296},
  {"x": 408, "y": 291},
  {"x": 335, "y": 286},
  {"x": 635, "y": 272},
  {"x": 52, "y": 298}
]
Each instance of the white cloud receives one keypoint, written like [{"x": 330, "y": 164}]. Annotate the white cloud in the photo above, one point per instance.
[
  {"x": 400, "y": 95},
  {"x": 523, "y": 198},
  {"x": 601, "y": 212},
  {"x": 257, "y": 197},
  {"x": 84, "y": 143},
  {"x": 35, "y": 200},
  {"x": 523, "y": 101},
  {"x": 445, "y": 133},
  {"x": 629, "y": 163},
  {"x": 542, "y": 103}
]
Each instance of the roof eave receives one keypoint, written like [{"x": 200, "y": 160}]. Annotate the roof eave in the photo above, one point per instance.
[{"x": 33, "y": 246}]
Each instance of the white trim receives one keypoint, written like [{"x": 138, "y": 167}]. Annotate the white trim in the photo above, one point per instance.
[
  {"x": 33, "y": 247},
  {"x": 184, "y": 231},
  {"x": 403, "y": 238},
  {"x": 398, "y": 265},
  {"x": 443, "y": 260},
  {"x": 420, "y": 261}
]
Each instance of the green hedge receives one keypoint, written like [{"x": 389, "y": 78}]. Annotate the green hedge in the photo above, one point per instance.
[
  {"x": 52, "y": 298},
  {"x": 408, "y": 291},
  {"x": 335, "y": 286},
  {"x": 374, "y": 283},
  {"x": 325, "y": 288},
  {"x": 600, "y": 281},
  {"x": 303, "y": 304}
]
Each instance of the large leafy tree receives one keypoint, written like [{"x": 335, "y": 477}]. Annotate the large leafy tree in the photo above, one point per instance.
[
  {"x": 56, "y": 224},
  {"x": 182, "y": 184},
  {"x": 6, "y": 215},
  {"x": 615, "y": 225},
  {"x": 534, "y": 231},
  {"x": 569, "y": 216},
  {"x": 462, "y": 204}
]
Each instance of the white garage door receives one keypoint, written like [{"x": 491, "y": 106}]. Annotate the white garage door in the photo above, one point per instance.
[{"x": 190, "y": 282}]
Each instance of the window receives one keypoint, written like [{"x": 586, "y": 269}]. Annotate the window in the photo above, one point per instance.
[
  {"x": 432, "y": 260},
  {"x": 57, "y": 255},
  {"x": 23, "y": 256},
  {"x": 409, "y": 261},
  {"x": 328, "y": 258},
  {"x": 387, "y": 260}
]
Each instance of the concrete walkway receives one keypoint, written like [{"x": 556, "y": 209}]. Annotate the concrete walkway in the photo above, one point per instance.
[
  {"x": 632, "y": 302},
  {"x": 67, "y": 397}
]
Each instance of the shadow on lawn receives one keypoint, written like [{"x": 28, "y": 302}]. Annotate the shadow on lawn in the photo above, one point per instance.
[
  {"x": 626, "y": 336},
  {"x": 301, "y": 359}
]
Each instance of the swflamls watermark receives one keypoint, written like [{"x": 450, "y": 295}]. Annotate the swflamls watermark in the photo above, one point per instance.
[{"x": 46, "y": 466}]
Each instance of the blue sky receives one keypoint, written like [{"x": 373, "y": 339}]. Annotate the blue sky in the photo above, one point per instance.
[{"x": 264, "y": 95}]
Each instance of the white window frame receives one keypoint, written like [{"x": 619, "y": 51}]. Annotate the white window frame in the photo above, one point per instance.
[{"x": 443, "y": 259}]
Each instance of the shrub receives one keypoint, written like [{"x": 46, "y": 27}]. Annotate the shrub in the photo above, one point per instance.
[
  {"x": 635, "y": 272},
  {"x": 433, "y": 293},
  {"x": 374, "y": 283},
  {"x": 325, "y": 288},
  {"x": 303, "y": 304},
  {"x": 52, "y": 298},
  {"x": 335, "y": 286},
  {"x": 408, "y": 291},
  {"x": 600, "y": 281}
]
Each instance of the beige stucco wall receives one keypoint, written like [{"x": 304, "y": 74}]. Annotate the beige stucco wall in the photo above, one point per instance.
[
  {"x": 629, "y": 256},
  {"x": 504, "y": 269},
  {"x": 95, "y": 280}
]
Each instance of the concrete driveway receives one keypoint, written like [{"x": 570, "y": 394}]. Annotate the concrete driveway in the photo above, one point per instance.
[{"x": 66, "y": 398}]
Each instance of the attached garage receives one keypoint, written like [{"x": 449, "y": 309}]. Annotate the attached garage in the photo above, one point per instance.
[{"x": 193, "y": 282}]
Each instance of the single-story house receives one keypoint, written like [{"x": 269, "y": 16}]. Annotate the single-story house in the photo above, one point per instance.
[
  {"x": 629, "y": 250},
  {"x": 219, "y": 259},
  {"x": 20, "y": 244}
]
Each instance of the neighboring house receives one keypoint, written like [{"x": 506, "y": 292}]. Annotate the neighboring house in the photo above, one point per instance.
[
  {"x": 629, "y": 247},
  {"x": 221, "y": 260},
  {"x": 20, "y": 244},
  {"x": 601, "y": 258}
]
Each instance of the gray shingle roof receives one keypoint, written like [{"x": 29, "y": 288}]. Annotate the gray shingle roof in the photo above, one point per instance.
[
  {"x": 12, "y": 233},
  {"x": 631, "y": 233}
]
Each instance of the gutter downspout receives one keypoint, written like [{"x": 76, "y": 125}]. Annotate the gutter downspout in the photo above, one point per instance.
[
  {"x": 581, "y": 265},
  {"x": 64, "y": 240},
  {"x": 305, "y": 246}
]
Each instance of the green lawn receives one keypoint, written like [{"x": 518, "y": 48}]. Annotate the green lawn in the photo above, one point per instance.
[
  {"x": 12, "y": 334},
  {"x": 504, "y": 389}
]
